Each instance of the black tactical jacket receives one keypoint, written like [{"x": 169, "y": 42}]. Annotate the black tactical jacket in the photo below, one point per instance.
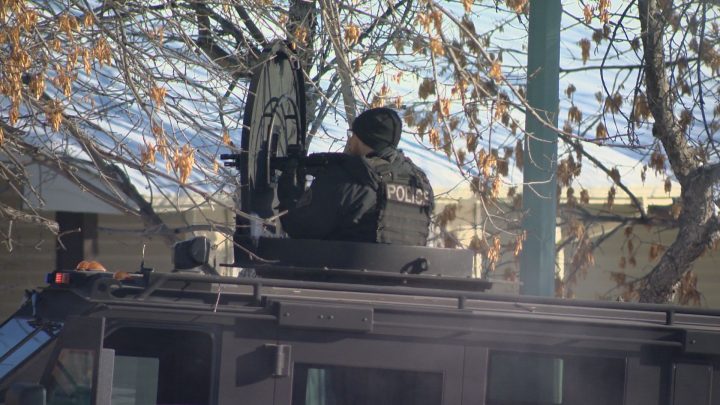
[{"x": 382, "y": 198}]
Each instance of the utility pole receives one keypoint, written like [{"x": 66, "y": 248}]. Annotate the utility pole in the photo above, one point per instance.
[
  {"x": 543, "y": 376},
  {"x": 537, "y": 265}
]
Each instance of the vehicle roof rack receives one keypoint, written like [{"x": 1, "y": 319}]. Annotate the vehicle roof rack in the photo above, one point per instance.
[{"x": 102, "y": 285}]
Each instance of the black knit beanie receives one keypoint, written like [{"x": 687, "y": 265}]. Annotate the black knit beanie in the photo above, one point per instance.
[{"x": 378, "y": 128}]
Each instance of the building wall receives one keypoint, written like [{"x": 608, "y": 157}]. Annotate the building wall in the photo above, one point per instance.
[
  {"x": 120, "y": 240},
  {"x": 598, "y": 283},
  {"x": 598, "y": 280},
  {"x": 24, "y": 263}
]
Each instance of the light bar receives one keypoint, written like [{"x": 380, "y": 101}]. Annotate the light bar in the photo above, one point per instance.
[{"x": 61, "y": 278}]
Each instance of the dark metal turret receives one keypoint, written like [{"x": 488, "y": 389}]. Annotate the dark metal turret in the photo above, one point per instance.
[{"x": 273, "y": 142}]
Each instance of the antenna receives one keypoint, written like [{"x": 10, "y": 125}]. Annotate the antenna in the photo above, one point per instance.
[{"x": 144, "y": 270}]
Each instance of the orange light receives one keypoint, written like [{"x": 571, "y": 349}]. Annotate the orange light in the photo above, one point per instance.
[
  {"x": 90, "y": 266},
  {"x": 62, "y": 278}
]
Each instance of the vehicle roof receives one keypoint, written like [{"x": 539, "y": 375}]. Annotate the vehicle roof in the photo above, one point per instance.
[{"x": 221, "y": 293}]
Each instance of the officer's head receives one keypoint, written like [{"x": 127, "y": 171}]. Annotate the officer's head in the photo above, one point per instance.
[{"x": 377, "y": 129}]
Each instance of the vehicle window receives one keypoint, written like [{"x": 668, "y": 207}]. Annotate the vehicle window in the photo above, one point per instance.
[
  {"x": 528, "y": 379},
  {"x": 71, "y": 378},
  {"x": 160, "y": 366},
  {"x": 334, "y": 385},
  {"x": 19, "y": 339},
  {"x": 135, "y": 380}
]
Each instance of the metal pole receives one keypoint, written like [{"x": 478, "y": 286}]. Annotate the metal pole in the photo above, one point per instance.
[
  {"x": 537, "y": 265},
  {"x": 543, "y": 376}
]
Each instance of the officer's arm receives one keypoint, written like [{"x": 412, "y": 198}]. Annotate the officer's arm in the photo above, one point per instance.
[
  {"x": 316, "y": 213},
  {"x": 356, "y": 200}
]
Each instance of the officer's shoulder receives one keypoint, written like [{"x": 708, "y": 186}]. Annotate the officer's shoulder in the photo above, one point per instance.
[
  {"x": 342, "y": 168},
  {"x": 361, "y": 170},
  {"x": 414, "y": 170},
  {"x": 401, "y": 157},
  {"x": 328, "y": 164}
]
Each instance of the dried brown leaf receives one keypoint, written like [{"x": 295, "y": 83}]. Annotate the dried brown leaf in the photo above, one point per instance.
[
  {"x": 467, "y": 5},
  {"x": 574, "y": 114},
  {"x": 352, "y": 34},
  {"x": 611, "y": 197},
  {"x": 426, "y": 88},
  {"x": 519, "y": 154},
  {"x": 584, "y": 197},
  {"x": 618, "y": 277},
  {"x": 585, "y": 49},
  {"x": 588, "y": 12},
  {"x": 434, "y": 137},
  {"x": 601, "y": 131},
  {"x": 570, "y": 90},
  {"x": 495, "y": 72}
]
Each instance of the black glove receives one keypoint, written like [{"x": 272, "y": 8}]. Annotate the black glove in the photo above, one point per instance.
[{"x": 290, "y": 187}]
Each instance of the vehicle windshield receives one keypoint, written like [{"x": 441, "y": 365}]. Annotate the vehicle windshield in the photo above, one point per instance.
[{"x": 19, "y": 339}]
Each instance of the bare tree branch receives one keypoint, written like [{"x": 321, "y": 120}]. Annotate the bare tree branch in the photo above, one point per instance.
[{"x": 13, "y": 214}]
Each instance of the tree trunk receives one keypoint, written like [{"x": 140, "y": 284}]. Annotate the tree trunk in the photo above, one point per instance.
[
  {"x": 697, "y": 223},
  {"x": 304, "y": 14},
  {"x": 697, "y": 231},
  {"x": 332, "y": 22}
]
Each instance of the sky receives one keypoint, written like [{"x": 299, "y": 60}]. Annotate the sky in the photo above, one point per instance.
[
  {"x": 128, "y": 128},
  {"x": 444, "y": 174}
]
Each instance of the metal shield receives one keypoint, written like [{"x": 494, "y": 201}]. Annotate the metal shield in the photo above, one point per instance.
[{"x": 273, "y": 122}]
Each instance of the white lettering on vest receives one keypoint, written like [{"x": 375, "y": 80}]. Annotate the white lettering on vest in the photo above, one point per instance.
[
  {"x": 409, "y": 195},
  {"x": 400, "y": 193}
]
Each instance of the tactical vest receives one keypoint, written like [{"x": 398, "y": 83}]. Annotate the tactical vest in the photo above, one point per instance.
[{"x": 404, "y": 202}]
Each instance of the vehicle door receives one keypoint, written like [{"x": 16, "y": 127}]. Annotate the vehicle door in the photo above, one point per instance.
[
  {"x": 192, "y": 358},
  {"x": 163, "y": 362},
  {"x": 80, "y": 370},
  {"x": 248, "y": 355}
]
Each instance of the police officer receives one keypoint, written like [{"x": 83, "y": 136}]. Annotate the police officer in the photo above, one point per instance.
[{"x": 372, "y": 194}]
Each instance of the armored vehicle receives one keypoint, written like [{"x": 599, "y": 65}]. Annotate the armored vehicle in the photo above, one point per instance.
[
  {"x": 337, "y": 323},
  {"x": 345, "y": 337}
]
